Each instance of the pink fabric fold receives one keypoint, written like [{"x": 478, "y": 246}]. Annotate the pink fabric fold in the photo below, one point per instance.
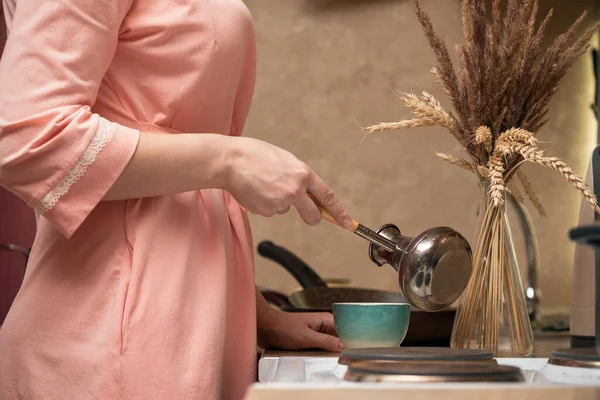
[{"x": 141, "y": 299}]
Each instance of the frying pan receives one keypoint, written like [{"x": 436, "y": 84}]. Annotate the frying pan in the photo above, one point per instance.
[{"x": 425, "y": 328}]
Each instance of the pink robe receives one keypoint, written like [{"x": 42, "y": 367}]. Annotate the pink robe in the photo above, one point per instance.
[{"x": 141, "y": 299}]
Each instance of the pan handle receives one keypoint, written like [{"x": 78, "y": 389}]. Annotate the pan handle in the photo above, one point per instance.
[{"x": 304, "y": 274}]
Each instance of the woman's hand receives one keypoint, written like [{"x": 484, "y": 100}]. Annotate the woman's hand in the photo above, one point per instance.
[
  {"x": 291, "y": 331},
  {"x": 267, "y": 180},
  {"x": 297, "y": 331}
]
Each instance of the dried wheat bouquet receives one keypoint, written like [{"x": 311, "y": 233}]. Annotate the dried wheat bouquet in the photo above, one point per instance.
[{"x": 500, "y": 92}]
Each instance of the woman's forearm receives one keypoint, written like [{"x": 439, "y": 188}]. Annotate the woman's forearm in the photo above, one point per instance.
[
  {"x": 166, "y": 164},
  {"x": 263, "y": 178}
]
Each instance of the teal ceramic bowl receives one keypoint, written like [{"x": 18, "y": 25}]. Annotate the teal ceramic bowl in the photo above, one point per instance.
[{"x": 368, "y": 325}]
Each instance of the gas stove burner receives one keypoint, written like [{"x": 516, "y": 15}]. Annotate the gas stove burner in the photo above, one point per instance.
[
  {"x": 429, "y": 354},
  {"x": 428, "y": 372},
  {"x": 579, "y": 358}
]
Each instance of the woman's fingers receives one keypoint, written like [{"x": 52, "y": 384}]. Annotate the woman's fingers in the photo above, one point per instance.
[
  {"x": 324, "y": 323},
  {"x": 323, "y": 334},
  {"x": 306, "y": 192},
  {"x": 323, "y": 341},
  {"x": 325, "y": 196},
  {"x": 284, "y": 210},
  {"x": 308, "y": 210}
]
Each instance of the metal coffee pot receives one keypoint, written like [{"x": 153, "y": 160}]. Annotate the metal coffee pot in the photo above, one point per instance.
[{"x": 433, "y": 268}]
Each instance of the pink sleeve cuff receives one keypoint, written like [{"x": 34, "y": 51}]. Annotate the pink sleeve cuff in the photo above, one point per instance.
[{"x": 75, "y": 196}]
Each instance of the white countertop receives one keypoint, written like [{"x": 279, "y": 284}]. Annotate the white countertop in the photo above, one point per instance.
[{"x": 317, "y": 375}]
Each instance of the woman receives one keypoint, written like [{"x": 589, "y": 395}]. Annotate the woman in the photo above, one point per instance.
[{"x": 141, "y": 282}]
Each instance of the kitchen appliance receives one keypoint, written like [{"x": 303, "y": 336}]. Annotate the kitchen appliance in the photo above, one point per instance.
[
  {"x": 425, "y": 364},
  {"x": 584, "y": 357},
  {"x": 433, "y": 268},
  {"x": 583, "y": 304},
  {"x": 426, "y": 328},
  {"x": 414, "y": 354},
  {"x": 296, "y": 372},
  {"x": 422, "y": 372}
]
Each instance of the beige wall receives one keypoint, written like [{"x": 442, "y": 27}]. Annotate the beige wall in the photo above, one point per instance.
[{"x": 324, "y": 64}]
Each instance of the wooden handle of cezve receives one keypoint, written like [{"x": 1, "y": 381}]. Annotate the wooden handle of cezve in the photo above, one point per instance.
[{"x": 328, "y": 217}]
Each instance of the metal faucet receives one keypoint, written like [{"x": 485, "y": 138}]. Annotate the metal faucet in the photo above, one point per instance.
[{"x": 532, "y": 292}]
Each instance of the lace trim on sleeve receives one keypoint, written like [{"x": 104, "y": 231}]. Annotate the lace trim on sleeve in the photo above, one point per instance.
[{"x": 101, "y": 137}]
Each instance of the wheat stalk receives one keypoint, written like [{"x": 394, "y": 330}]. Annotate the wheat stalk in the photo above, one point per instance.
[
  {"x": 530, "y": 192},
  {"x": 533, "y": 154},
  {"x": 496, "y": 176},
  {"x": 427, "y": 111},
  {"x": 485, "y": 173},
  {"x": 409, "y": 123},
  {"x": 459, "y": 162},
  {"x": 514, "y": 189},
  {"x": 447, "y": 74},
  {"x": 482, "y": 311},
  {"x": 428, "y": 107},
  {"x": 517, "y": 135},
  {"x": 483, "y": 135}
]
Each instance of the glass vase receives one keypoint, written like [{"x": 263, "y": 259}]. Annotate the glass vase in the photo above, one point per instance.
[{"x": 492, "y": 314}]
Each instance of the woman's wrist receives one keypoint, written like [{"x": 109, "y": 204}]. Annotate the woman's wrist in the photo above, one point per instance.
[
  {"x": 223, "y": 165},
  {"x": 227, "y": 163}
]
